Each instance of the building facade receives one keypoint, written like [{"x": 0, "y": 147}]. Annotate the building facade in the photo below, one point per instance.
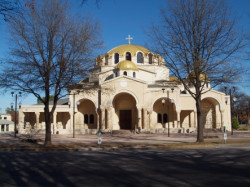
[
  {"x": 135, "y": 92},
  {"x": 6, "y": 124}
]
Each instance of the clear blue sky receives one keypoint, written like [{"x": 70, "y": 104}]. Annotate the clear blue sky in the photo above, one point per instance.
[{"x": 118, "y": 19}]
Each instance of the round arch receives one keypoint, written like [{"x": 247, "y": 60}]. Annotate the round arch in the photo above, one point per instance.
[
  {"x": 86, "y": 115},
  {"x": 164, "y": 113},
  {"x": 123, "y": 91},
  {"x": 209, "y": 112},
  {"x": 214, "y": 100},
  {"x": 163, "y": 96},
  {"x": 125, "y": 111},
  {"x": 87, "y": 98}
]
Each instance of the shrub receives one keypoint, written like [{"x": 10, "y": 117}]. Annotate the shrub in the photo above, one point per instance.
[{"x": 236, "y": 124}]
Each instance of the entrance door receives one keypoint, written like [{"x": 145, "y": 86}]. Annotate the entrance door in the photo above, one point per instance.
[{"x": 125, "y": 119}]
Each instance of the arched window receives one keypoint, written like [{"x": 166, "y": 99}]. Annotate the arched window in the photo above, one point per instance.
[
  {"x": 125, "y": 73},
  {"x": 159, "y": 118},
  {"x": 106, "y": 59},
  {"x": 150, "y": 58},
  {"x": 128, "y": 56},
  {"x": 116, "y": 58},
  {"x": 139, "y": 58},
  {"x": 116, "y": 74},
  {"x": 165, "y": 118},
  {"x": 91, "y": 119},
  {"x": 86, "y": 118},
  {"x": 134, "y": 75}
]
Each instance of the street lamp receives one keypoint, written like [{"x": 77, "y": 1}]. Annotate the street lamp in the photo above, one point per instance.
[
  {"x": 230, "y": 91},
  {"x": 163, "y": 103},
  {"x": 12, "y": 106},
  {"x": 78, "y": 103}
]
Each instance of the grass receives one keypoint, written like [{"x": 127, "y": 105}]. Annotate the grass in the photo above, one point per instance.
[{"x": 247, "y": 128}]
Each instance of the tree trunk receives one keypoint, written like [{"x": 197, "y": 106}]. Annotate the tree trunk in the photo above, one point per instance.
[
  {"x": 47, "y": 116},
  {"x": 200, "y": 137}
]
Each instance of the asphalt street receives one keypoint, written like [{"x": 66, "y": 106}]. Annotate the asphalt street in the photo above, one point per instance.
[{"x": 198, "y": 167}]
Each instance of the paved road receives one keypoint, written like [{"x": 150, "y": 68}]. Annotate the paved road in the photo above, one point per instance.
[{"x": 202, "y": 167}]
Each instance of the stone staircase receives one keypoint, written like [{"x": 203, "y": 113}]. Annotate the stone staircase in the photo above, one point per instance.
[{"x": 124, "y": 132}]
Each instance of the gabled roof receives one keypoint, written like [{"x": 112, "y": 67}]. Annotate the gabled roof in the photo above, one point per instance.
[{"x": 126, "y": 77}]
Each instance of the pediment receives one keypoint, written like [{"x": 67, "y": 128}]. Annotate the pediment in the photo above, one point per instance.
[{"x": 124, "y": 78}]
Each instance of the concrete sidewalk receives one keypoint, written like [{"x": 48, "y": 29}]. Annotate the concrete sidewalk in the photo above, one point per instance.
[{"x": 121, "y": 141}]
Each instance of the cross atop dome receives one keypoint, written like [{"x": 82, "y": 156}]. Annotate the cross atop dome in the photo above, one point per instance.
[{"x": 129, "y": 38}]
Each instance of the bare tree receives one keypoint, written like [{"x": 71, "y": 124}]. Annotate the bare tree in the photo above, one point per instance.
[
  {"x": 51, "y": 50},
  {"x": 8, "y": 8},
  {"x": 199, "y": 42}
]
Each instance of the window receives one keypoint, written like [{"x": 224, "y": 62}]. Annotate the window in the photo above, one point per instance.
[
  {"x": 139, "y": 58},
  {"x": 159, "y": 118},
  {"x": 5, "y": 117},
  {"x": 2, "y": 128},
  {"x": 86, "y": 118},
  {"x": 116, "y": 58},
  {"x": 7, "y": 127},
  {"x": 106, "y": 59},
  {"x": 125, "y": 73},
  {"x": 117, "y": 74},
  {"x": 91, "y": 119},
  {"x": 128, "y": 56},
  {"x": 134, "y": 75},
  {"x": 150, "y": 58},
  {"x": 165, "y": 118}
]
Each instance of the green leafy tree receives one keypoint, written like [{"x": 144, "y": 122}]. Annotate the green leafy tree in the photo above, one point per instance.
[{"x": 236, "y": 124}]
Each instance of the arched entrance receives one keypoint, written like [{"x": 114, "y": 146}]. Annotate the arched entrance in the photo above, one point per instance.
[
  {"x": 209, "y": 108},
  {"x": 86, "y": 117},
  {"x": 125, "y": 110},
  {"x": 163, "y": 113}
]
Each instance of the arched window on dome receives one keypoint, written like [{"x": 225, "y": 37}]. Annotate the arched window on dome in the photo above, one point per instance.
[
  {"x": 116, "y": 58},
  {"x": 128, "y": 56},
  {"x": 150, "y": 58},
  {"x": 106, "y": 59},
  {"x": 134, "y": 75},
  {"x": 125, "y": 73},
  {"x": 117, "y": 74},
  {"x": 139, "y": 58}
]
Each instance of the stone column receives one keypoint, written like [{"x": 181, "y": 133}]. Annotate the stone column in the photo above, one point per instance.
[
  {"x": 178, "y": 119},
  {"x": 71, "y": 120},
  {"x": 108, "y": 117},
  {"x": 191, "y": 119},
  {"x": 97, "y": 120},
  {"x": 195, "y": 119},
  {"x": 150, "y": 119},
  {"x": 37, "y": 120},
  {"x": 139, "y": 118},
  {"x": 54, "y": 122},
  {"x": 217, "y": 117},
  {"x": 21, "y": 121},
  {"x": 145, "y": 124},
  {"x": 103, "y": 118},
  {"x": 222, "y": 120}
]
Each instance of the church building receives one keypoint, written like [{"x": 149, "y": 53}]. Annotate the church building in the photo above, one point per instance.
[{"x": 135, "y": 92}]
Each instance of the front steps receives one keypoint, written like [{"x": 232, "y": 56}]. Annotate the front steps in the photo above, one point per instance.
[{"x": 123, "y": 132}]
